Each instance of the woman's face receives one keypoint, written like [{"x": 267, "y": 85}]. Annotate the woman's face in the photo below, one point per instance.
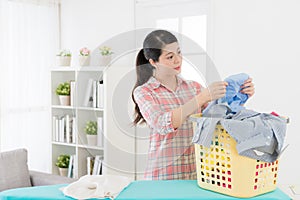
[{"x": 169, "y": 62}]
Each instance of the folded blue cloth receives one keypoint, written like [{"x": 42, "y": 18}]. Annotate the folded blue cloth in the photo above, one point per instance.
[{"x": 233, "y": 96}]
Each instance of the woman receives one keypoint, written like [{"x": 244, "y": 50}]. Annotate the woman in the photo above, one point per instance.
[{"x": 164, "y": 101}]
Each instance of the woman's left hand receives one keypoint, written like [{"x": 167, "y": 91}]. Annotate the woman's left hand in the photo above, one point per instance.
[{"x": 248, "y": 87}]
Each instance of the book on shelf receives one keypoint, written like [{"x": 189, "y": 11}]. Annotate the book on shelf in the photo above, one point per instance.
[
  {"x": 100, "y": 131},
  {"x": 73, "y": 135},
  {"x": 94, "y": 94},
  {"x": 71, "y": 166},
  {"x": 90, "y": 164},
  {"x": 88, "y": 98},
  {"x": 75, "y": 169},
  {"x": 55, "y": 126},
  {"x": 97, "y": 168},
  {"x": 68, "y": 128},
  {"x": 100, "y": 94},
  {"x": 72, "y": 93},
  {"x": 61, "y": 129}
]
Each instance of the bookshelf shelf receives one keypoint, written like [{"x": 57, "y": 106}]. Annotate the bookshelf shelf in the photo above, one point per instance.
[
  {"x": 64, "y": 144},
  {"x": 63, "y": 107},
  {"x": 63, "y": 69},
  {"x": 91, "y": 147},
  {"x": 91, "y": 68},
  {"x": 68, "y": 122},
  {"x": 90, "y": 109},
  {"x": 82, "y": 69}
]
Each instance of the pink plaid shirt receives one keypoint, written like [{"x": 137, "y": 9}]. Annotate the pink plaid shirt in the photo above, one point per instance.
[{"x": 171, "y": 152}]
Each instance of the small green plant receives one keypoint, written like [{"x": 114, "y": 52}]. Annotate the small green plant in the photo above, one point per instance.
[
  {"x": 91, "y": 128},
  {"x": 63, "y": 161},
  {"x": 105, "y": 51},
  {"x": 63, "y": 89},
  {"x": 64, "y": 53}
]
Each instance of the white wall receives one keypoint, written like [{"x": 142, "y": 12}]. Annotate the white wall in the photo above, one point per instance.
[
  {"x": 262, "y": 38},
  {"x": 91, "y": 22}
]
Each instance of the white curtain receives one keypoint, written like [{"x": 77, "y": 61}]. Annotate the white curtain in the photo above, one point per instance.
[{"x": 29, "y": 41}]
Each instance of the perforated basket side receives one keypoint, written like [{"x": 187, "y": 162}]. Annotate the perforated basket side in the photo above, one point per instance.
[{"x": 221, "y": 169}]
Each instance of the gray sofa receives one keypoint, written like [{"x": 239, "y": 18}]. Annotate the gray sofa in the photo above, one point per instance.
[{"x": 14, "y": 172}]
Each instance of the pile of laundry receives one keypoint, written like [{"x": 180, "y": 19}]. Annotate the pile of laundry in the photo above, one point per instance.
[{"x": 258, "y": 135}]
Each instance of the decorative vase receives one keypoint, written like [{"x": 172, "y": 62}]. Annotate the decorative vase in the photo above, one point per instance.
[
  {"x": 63, "y": 60},
  {"x": 91, "y": 140},
  {"x": 63, "y": 171},
  {"x": 105, "y": 60},
  {"x": 64, "y": 100},
  {"x": 84, "y": 60}
]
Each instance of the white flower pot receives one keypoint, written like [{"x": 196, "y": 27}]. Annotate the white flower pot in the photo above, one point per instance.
[
  {"x": 64, "y": 100},
  {"x": 84, "y": 60},
  {"x": 105, "y": 60},
  {"x": 91, "y": 140},
  {"x": 63, "y": 60},
  {"x": 63, "y": 171}
]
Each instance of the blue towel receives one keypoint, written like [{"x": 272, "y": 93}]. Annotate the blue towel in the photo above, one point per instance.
[{"x": 233, "y": 96}]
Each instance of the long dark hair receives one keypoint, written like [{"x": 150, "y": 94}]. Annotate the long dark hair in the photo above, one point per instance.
[{"x": 152, "y": 49}]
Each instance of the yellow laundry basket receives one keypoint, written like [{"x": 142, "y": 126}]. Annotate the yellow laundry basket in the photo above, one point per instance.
[{"x": 221, "y": 169}]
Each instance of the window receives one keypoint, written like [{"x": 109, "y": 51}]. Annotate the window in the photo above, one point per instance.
[
  {"x": 28, "y": 47},
  {"x": 187, "y": 17},
  {"x": 195, "y": 28}
]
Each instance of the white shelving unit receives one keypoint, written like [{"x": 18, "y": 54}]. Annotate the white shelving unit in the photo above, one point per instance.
[
  {"x": 81, "y": 114},
  {"x": 118, "y": 148}
]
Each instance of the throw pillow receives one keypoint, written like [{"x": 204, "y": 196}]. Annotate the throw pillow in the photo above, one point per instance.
[{"x": 14, "y": 171}]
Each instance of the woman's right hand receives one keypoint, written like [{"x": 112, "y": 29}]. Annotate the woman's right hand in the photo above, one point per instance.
[{"x": 214, "y": 91}]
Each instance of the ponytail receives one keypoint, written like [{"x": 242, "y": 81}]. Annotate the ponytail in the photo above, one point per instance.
[
  {"x": 152, "y": 49},
  {"x": 144, "y": 70}
]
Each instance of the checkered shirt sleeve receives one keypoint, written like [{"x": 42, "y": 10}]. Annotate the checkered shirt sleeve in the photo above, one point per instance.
[{"x": 158, "y": 119}]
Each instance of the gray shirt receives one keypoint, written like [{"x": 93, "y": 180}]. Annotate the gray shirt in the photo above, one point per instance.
[{"x": 258, "y": 135}]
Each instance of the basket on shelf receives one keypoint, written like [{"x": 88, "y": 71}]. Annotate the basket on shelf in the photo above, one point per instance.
[{"x": 221, "y": 169}]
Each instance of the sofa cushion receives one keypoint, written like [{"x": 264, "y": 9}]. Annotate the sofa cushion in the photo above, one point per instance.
[{"x": 14, "y": 171}]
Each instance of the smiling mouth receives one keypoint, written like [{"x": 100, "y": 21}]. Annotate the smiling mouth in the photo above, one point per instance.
[{"x": 177, "y": 68}]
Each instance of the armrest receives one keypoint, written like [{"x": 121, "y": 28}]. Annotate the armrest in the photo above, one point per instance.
[{"x": 41, "y": 178}]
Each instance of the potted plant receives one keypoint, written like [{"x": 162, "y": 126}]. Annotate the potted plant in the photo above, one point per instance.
[
  {"x": 62, "y": 163},
  {"x": 106, "y": 53},
  {"x": 63, "y": 92},
  {"x": 63, "y": 57},
  {"x": 84, "y": 56},
  {"x": 91, "y": 132}
]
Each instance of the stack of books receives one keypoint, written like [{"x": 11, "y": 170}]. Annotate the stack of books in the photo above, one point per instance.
[
  {"x": 63, "y": 128},
  {"x": 94, "y": 94},
  {"x": 94, "y": 165}
]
